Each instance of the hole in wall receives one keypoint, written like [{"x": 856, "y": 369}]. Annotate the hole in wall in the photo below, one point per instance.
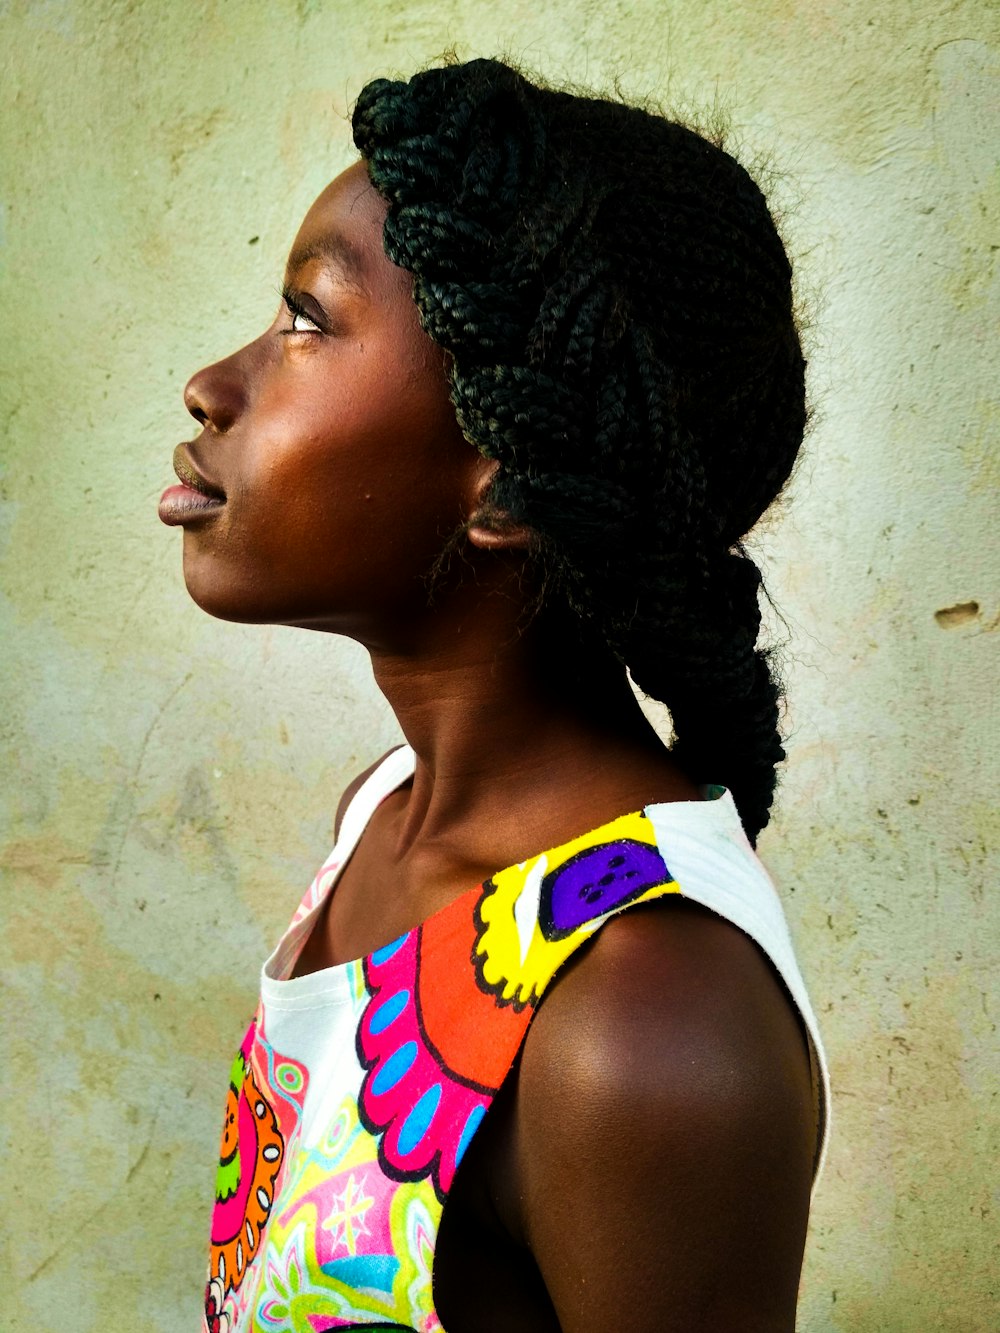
[{"x": 951, "y": 617}]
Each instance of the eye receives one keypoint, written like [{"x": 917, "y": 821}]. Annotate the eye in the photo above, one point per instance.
[{"x": 302, "y": 321}]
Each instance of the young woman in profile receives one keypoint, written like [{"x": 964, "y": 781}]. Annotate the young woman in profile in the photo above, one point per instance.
[{"x": 534, "y": 1053}]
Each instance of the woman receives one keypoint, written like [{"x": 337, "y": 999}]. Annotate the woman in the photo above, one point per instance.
[{"x": 534, "y": 377}]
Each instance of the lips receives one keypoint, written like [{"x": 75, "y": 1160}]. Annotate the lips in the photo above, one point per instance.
[
  {"x": 190, "y": 476},
  {"x": 195, "y": 499}
]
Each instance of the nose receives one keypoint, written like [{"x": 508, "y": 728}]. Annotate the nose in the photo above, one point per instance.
[{"x": 215, "y": 396}]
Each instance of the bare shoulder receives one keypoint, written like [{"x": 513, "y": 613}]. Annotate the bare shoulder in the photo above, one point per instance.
[
  {"x": 663, "y": 1131},
  {"x": 355, "y": 785}
]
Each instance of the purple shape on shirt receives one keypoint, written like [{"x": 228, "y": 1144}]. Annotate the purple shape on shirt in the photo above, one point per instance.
[{"x": 597, "y": 881}]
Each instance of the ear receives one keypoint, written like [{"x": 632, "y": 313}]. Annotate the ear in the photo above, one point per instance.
[{"x": 489, "y": 527}]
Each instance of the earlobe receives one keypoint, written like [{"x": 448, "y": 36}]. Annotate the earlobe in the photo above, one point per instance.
[
  {"x": 491, "y": 528},
  {"x": 494, "y": 530}
]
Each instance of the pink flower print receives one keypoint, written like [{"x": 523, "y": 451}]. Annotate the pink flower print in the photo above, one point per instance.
[{"x": 425, "y": 1114}]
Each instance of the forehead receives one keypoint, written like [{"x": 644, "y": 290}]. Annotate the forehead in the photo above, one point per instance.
[{"x": 343, "y": 232}]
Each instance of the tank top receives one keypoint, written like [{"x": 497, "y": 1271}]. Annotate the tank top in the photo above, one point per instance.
[{"x": 358, "y": 1088}]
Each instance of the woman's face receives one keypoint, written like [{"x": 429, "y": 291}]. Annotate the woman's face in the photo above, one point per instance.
[{"x": 338, "y": 466}]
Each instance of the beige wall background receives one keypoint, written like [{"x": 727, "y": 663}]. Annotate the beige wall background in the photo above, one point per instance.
[{"x": 170, "y": 780}]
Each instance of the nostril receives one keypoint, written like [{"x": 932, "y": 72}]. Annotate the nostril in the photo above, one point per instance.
[
  {"x": 214, "y": 395},
  {"x": 192, "y": 401},
  {"x": 202, "y": 400}
]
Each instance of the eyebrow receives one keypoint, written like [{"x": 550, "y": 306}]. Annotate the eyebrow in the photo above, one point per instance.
[{"x": 334, "y": 250}]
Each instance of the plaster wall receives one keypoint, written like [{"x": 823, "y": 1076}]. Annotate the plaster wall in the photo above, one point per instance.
[{"x": 170, "y": 781}]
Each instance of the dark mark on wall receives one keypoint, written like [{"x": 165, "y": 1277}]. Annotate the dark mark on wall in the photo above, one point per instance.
[{"x": 951, "y": 617}]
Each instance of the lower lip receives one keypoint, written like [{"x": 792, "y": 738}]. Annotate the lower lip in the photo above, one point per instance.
[{"x": 183, "y": 504}]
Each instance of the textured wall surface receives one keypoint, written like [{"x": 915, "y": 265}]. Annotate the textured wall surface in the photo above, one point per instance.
[{"x": 170, "y": 780}]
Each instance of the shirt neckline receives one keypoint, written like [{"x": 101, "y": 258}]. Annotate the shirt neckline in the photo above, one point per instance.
[{"x": 333, "y": 982}]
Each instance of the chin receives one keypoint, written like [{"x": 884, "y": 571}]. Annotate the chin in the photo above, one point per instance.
[
  {"x": 247, "y": 602},
  {"x": 225, "y": 599},
  {"x": 222, "y": 607}
]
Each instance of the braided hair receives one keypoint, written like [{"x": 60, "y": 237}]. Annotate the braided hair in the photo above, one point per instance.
[{"x": 616, "y": 305}]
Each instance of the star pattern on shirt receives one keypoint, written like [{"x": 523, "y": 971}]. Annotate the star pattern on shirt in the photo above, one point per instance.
[{"x": 346, "y": 1219}]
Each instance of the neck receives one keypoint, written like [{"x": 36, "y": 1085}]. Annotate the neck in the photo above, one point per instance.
[{"x": 500, "y": 708}]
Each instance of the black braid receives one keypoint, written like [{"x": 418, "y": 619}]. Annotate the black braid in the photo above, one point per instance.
[{"x": 617, "y": 306}]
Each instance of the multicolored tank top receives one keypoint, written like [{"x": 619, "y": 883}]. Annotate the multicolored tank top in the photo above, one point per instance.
[{"x": 358, "y": 1088}]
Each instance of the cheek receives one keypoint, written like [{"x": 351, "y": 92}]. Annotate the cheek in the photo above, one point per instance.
[
  {"x": 365, "y": 456},
  {"x": 343, "y": 490}
]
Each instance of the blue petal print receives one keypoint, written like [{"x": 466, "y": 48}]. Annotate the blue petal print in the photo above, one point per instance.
[
  {"x": 396, "y": 1067},
  {"x": 383, "y": 955},
  {"x": 471, "y": 1125},
  {"x": 418, "y": 1122},
  {"x": 388, "y": 1012}
]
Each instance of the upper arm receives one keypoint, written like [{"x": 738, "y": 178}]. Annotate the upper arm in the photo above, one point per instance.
[{"x": 664, "y": 1132}]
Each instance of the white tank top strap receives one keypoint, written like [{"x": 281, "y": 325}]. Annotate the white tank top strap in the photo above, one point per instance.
[
  {"x": 392, "y": 772},
  {"x": 714, "y": 865}
]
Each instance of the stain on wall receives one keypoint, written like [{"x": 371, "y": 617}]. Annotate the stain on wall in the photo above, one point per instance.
[{"x": 170, "y": 781}]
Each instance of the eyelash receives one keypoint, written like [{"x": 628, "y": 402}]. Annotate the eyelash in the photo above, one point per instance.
[{"x": 295, "y": 309}]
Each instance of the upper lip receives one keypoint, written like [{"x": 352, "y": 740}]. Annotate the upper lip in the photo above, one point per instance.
[{"x": 190, "y": 475}]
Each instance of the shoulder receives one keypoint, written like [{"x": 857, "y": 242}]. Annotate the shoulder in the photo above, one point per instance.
[
  {"x": 664, "y": 1097},
  {"x": 355, "y": 785}
]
